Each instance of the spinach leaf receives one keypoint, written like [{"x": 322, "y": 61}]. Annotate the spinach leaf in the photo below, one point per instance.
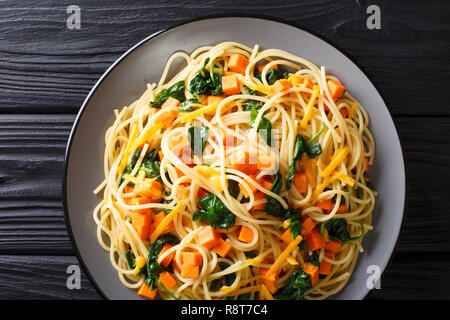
[
  {"x": 206, "y": 83},
  {"x": 314, "y": 259},
  {"x": 151, "y": 168},
  {"x": 202, "y": 85},
  {"x": 316, "y": 136},
  {"x": 296, "y": 224},
  {"x": 214, "y": 212},
  {"x": 299, "y": 148},
  {"x": 227, "y": 279},
  {"x": 251, "y": 92},
  {"x": 130, "y": 260},
  {"x": 296, "y": 286},
  {"x": 186, "y": 106},
  {"x": 153, "y": 269},
  {"x": 252, "y": 104},
  {"x": 337, "y": 230},
  {"x": 291, "y": 175},
  {"x": 129, "y": 168},
  {"x": 314, "y": 150},
  {"x": 273, "y": 207},
  {"x": 272, "y": 75},
  {"x": 233, "y": 188},
  {"x": 335, "y": 199},
  {"x": 197, "y": 136},
  {"x": 175, "y": 91},
  {"x": 264, "y": 128},
  {"x": 151, "y": 164}
]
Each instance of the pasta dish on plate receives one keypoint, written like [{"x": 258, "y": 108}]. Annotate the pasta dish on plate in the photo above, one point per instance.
[{"x": 243, "y": 176}]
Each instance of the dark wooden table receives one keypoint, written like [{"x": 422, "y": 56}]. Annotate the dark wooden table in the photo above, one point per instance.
[{"x": 46, "y": 71}]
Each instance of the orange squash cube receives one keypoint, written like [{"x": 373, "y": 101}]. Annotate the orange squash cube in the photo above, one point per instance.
[
  {"x": 246, "y": 234},
  {"x": 336, "y": 89},
  {"x": 222, "y": 248},
  {"x": 238, "y": 63},
  {"x": 313, "y": 272},
  {"x": 144, "y": 291},
  {"x": 171, "y": 102},
  {"x": 287, "y": 236},
  {"x": 192, "y": 258},
  {"x": 142, "y": 223},
  {"x": 230, "y": 85},
  {"x": 190, "y": 271},
  {"x": 167, "y": 280},
  {"x": 208, "y": 237},
  {"x": 271, "y": 279},
  {"x": 168, "y": 259},
  {"x": 160, "y": 217},
  {"x": 280, "y": 86}
]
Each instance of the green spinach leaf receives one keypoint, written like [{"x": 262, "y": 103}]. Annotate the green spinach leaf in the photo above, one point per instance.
[
  {"x": 206, "y": 82},
  {"x": 197, "y": 136},
  {"x": 272, "y": 75},
  {"x": 153, "y": 269},
  {"x": 314, "y": 259},
  {"x": 299, "y": 148},
  {"x": 214, "y": 212},
  {"x": 130, "y": 260},
  {"x": 264, "y": 128},
  {"x": 338, "y": 230},
  {"x": 273, "y": 207},
  {"x": 252, "y": 104},
  {"x": 233, "y": 188},
  {"x": 175, "y": 91},
  {"x": 186, "y": 106},
  {"x": 314, "y": 150},
  {"x": 296, "y": 224},
  {"x": 296, "y": 286}
]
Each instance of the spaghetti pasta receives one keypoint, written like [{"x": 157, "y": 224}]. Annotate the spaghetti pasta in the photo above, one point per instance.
[{"x": 240, "y": 176}]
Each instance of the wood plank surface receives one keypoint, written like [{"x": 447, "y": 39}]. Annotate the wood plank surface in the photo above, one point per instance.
[
  {"x": 41, "y": 277},
  {"x": 46, "y": 68}
]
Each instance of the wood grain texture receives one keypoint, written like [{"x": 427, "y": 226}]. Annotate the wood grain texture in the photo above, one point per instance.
[
  {"x": 41, "y": 277},
  {"x": 401, "y": 280},
  {"x": 46, "y": 68},
  {"x": 32, "y": 151}
]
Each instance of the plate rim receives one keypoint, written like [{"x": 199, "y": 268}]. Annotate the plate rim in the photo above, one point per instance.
[{"x": 165, "y": 30}]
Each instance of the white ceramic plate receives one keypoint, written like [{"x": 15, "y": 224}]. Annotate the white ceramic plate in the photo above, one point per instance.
[{"x": 126, "y": 79}]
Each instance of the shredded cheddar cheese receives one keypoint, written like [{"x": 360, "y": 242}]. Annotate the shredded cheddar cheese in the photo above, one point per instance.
[
  {"x": 309, "y": 107},
  {"x": 199, "y": 112},
  {"x": 165, "y": 222},
  {"x": 340, "y": 156},
  {"x": 283, "y": 256}
]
